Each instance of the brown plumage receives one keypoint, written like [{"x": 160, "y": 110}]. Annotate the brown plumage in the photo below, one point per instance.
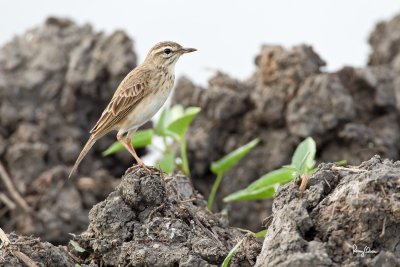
[{"x": 139, "y": 96}]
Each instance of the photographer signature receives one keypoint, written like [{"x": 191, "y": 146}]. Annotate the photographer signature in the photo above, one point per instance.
[{"x": 367, "y": 250}]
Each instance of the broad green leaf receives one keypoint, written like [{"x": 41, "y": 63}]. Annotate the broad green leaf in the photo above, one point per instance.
[
  {"x": 228, "y": 161},
  {"x": 253, "y": 194},
  {"x": 264, "y": 187},
  {"x": 175, "y": 112},
  {"x": 77, "y": 265},
  {"x": 303, "y": 157},
  {"x": 262, "y": 233},
  {"x": 140, "y": 139},
  {"x": 167, "y": 162},
  {"x": 282, "y": 176},
  {"x": 167, "y": 116},
  {"x": 177, "y": 128},
  {"x": 231, "y": 253},
  {"x": 76, "y": 246}
]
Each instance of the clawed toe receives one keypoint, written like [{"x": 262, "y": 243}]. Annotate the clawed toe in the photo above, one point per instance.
[
  {"x": 145, "y": 168},
  {"x": 131, "y": 169},
  {"x": 142, "y": 166},
  {"x": 138, "y": 166}
]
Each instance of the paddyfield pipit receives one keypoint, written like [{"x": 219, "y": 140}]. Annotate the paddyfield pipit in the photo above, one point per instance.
[{"x": 138, "y": 97}]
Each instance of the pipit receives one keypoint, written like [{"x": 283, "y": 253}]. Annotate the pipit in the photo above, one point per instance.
[{"x": 138, "y": 97}]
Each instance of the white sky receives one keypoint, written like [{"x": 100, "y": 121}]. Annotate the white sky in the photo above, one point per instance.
[{"x": 227, "y": 33}]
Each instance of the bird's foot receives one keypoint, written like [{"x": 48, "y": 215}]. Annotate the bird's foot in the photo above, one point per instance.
[
  {"x": 144, "y": 167},
  {"x": 138, "y": 166}
]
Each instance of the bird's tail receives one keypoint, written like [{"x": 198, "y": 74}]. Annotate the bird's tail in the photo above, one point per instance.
[{"x": 83, "y": 153}]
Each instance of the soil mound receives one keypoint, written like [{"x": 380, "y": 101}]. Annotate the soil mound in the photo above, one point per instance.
[
  {"x": 157, "y": 220},
  {"x": 347, "y": 217}
]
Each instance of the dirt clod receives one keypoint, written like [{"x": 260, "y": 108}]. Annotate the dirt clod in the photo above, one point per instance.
[
  {"x": 28, "y": 249},
  {"x": 342, "y": 210},
  {"x": 156, "y": 220}
]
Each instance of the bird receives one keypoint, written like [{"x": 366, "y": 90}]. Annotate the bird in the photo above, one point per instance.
[{"x": 138, "y": 97}]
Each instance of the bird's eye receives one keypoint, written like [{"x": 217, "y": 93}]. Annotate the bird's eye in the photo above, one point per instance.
[{"x": 167, "y": 51}]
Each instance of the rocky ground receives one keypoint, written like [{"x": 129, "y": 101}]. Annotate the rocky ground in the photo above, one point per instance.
[
  {"x": 51, "y": 76},
  {"x": 152, "y": 219},
  {"x": 343, "y": 210}
]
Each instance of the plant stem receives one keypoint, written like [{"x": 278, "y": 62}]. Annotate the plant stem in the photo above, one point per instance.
[
  {"x": 214, "y": 190},
  {"x": 185, "y": 164},
  {"x": 166, "y": 144}
]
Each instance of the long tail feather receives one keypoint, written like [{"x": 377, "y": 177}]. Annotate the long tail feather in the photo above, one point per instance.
[{"x": 83, "y": 153}]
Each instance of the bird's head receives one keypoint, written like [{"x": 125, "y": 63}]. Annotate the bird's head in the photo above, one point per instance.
[{"x": 166, "y": 54}]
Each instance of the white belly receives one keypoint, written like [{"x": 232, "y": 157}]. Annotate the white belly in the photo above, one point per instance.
[{"x": 146, "y": 109}]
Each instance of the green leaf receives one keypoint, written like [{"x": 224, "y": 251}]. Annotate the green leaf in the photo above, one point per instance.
[
  {"x": 174, "y": 123},
  {"x": 166, "y": 117},
  {"x": 175, "y": 112},
  {"x": 252, "y": 194},
  {"x": 140, "y": 139},
  {"x": 231, "y": 253},
  {"x": 304, "y": 156},
  {"x": 281, "y": 176},
  {"x": 290, "y": 167},
  {"x": 262, "y": 233},
  {"x": 228, "y": 161},
  {"x": 77, "y": 265},
  {"x": 76, "y": 246},
  {"x": 178, "y": 127},
  {"x": 167, "y": 162},
  {"x": 264, "y": 187}
]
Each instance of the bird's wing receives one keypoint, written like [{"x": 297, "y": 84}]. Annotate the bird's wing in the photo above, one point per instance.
[{"x": 129, "y": 93}]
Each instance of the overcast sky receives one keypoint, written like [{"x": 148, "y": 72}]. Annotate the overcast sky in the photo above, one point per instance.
[{"x": 227, "y": 33}]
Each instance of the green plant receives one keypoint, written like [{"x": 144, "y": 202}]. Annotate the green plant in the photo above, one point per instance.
[
  {"x": 303, "y": 162},
  {"x": 172, "y": 124},
  {"x": 224, "y": 164},
  {"x": 261, "y": 234},
  {"x": 231, "y": 253},
  {"x": 76, "y": 246}
]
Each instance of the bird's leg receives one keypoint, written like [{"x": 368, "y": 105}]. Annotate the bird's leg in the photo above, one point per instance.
[
  {"x": 121, "y": 141},
  {"x": 128, "y": 146},
  {"x": 131, "y": 149}
]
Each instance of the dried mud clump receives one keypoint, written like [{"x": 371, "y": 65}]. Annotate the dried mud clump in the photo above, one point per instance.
[
  {"x": 20, "y": 251},
  {"x": 55, "y": 80},
  {"x": 343, "y": 210},
  {"x": 157, "y": 220},
  {"x": 353, "y": 114}
]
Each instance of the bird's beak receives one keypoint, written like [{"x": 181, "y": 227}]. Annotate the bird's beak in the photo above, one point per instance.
[{"x": 188, "y": 50}]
